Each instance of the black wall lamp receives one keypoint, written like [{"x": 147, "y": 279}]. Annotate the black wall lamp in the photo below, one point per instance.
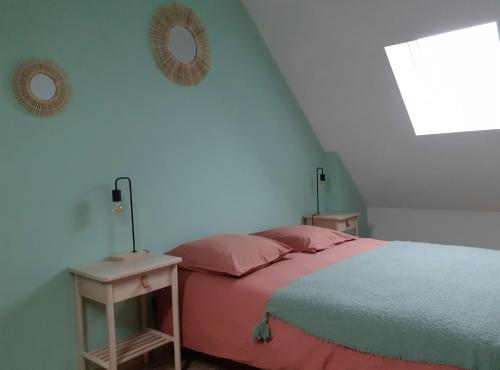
[
  {"x": 320, "y": 178},
  {"x": 118, "y": 209}
]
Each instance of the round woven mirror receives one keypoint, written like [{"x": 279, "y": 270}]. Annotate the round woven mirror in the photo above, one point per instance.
[
  {"x": 41, "y": 87},
  {"x": 179, "y": 44}
]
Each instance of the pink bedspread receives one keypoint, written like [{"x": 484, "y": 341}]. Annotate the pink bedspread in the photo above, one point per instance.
[{"x": 219, "y": 313}]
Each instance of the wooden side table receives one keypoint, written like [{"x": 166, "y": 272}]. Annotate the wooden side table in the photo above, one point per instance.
[
  {"x": 109, "y": 282},
  {"x": 335, "y": 221}
]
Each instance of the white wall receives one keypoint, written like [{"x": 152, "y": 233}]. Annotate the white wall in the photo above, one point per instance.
[
  {"x": 331, "y": 52},
  {"x": 481, "y": 229}
]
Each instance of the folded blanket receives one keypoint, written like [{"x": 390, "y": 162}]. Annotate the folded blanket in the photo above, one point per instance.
[{"x": 413, "y": 301}]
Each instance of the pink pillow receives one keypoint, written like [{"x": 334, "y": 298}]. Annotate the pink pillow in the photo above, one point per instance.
[
  {"x": 235, "y": 255},
  {"x": 306, "y": 239}
]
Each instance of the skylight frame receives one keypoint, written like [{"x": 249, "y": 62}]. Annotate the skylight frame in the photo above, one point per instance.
[{"x": 435, "y": 100}]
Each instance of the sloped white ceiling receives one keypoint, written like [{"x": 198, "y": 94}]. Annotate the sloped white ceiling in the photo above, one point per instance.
[{"x": 331, "y": 52}]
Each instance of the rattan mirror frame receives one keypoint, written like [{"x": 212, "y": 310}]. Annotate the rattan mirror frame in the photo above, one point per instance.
[
  {"x": 165, "y": 18},
  {"x": 24, "y": 95}
]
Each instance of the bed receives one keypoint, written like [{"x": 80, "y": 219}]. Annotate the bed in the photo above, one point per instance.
[{"x": 219, "y": 314}]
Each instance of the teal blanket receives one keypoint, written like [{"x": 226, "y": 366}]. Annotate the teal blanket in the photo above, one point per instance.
[{"x": 413, "y": 301}]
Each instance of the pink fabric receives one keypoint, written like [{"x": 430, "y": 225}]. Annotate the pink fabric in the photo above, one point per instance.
[
  {"x": 231, "y": 254},
  {"x": 306, "y": 239},
  {"x": 218, "y": 314}
]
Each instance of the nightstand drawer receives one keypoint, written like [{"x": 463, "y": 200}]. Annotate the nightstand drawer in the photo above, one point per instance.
[
  {"x": 141, "y": 284},
  {"x": 328, "y": 224},
  {"x": 336, "y": 221},
  {"x": 341, "y": 225},
  {"x": 331, "y": 224},
  {"x": 351, "y": 222}
]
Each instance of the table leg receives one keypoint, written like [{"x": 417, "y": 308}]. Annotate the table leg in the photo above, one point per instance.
[
  {"x": 110, "y": 316},
  {"x": 80, "y": 325},
  {"x": 175, "y": 314},
  {"x": 144, "y": 320}
]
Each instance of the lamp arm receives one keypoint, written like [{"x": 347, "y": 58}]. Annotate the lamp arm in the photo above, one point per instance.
[{"x": 131, "y": 206}]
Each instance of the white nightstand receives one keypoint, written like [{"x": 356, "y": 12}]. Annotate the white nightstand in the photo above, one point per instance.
[
  {"x": 335, "y": 221},
  {"x": 110, "y": 282}
]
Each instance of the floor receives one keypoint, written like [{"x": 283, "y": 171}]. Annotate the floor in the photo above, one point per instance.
[{"x": 163, "y": 360}]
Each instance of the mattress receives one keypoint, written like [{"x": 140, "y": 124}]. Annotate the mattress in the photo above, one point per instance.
[{"x": 219, "y": 313}]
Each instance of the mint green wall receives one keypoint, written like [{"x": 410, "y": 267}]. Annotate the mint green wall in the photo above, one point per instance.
[
  {"x": 342, "y": 195},
  {"x": 233, "y": 154}
]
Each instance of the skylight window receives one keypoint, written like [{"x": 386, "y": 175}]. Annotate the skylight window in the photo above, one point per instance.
[{"x": 450, "y": 82}]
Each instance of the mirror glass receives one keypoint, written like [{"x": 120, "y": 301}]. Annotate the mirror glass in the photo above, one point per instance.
[
  {"x": 182, "y": 44},
  {"x": 43, "y": 87}
]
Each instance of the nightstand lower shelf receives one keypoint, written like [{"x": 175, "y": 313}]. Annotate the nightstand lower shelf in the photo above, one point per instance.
[{"x": 130, "y": 348}]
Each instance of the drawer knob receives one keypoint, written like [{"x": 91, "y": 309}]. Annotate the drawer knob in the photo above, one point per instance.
[{"x": 145, "y": 282}]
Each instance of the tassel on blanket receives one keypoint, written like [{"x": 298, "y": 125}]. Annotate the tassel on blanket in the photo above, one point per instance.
[{"x": 262, "y": 332}]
